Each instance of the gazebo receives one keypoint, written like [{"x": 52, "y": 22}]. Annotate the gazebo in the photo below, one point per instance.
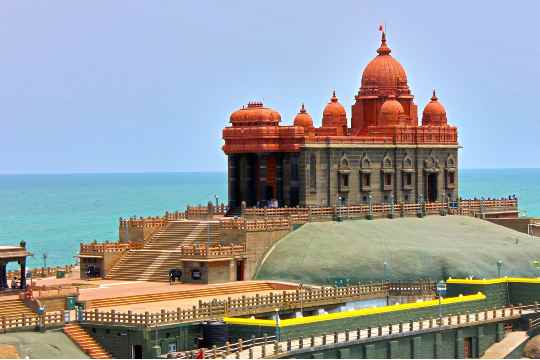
[{"x": 9, "y": 254}]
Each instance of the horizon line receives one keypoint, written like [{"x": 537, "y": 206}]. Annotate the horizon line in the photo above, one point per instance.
[{"x": 200, "y": 171}]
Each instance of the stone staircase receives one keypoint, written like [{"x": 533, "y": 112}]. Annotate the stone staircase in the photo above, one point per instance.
[
  {"x": 183, "y": 232},
  {"x": 14, "y": 308},
  {"x": 87, "y": 343},
  {"x": 145, "y": 265},
  {"x": 158, "y": 256},
  {"x": 237, "y": 288}
]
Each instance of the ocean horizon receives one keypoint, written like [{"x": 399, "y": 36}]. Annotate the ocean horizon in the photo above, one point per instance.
[{"x": 53, "y": 213}]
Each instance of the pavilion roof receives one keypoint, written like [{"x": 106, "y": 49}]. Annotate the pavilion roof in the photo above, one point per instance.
[{"x": 9, "y": 252}]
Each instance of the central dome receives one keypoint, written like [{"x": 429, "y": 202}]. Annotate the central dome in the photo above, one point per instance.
[{"x": 384, "y": 75}]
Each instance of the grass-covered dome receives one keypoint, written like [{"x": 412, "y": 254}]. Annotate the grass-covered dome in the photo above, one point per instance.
[{"x": 433, "y": 247}]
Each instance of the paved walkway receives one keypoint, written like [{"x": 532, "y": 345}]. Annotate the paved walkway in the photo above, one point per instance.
[
  {"x": 52, "y": 344},
  {"x": 510, "y": 342}
]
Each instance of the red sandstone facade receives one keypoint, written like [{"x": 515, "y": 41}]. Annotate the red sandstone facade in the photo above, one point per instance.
[{"x": 383, "y": 155}]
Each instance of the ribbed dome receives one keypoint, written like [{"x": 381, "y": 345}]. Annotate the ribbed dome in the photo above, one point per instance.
[
  {"x": 255, "y": 114},
  {"x": 384, "y": 75},
  {"x": 334, "y": 114},
  {"x": 303, "y": 119},
  {"x": 390, "y": 112},
  {"x": 434, "y": 113}
]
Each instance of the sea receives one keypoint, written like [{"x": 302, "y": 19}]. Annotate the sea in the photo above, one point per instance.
[{"x": 54, "y": 213}]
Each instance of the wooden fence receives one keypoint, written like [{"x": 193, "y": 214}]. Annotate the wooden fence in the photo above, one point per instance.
[
  {"x": 100, "y": 248},
  {"x": 24, "y": 322},
  {"x": 37, "y": 273},
  {"x": 246, "y": 305}
]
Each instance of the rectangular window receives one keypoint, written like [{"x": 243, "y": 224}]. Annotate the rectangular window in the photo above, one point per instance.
[
  {"x": 367, "y": 180},
  {"x": 388, "y": 179},
  {"x": 451, "y": 178},
  {"x": 345, "y": 180},
  {"x": 408, "y": 179}
]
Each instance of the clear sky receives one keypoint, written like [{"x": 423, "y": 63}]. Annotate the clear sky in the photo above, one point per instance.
[{"x": 129, "y": 85}]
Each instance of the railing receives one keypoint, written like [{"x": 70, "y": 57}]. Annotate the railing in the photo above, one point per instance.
[
  {"x": 192, "y": 212},
  {"x": 215, "y": 309},
  {"x": 254, "y": 225},
  {"x": 41, "y": 272},
  {"x": 44, "y": 291},
  {"x": 25, "y": 322},
  {"x": 269, "y": 346},
  {"x": 212, "y": 251},
  {"x": 463, "y": 207},
  {"x": 100, "y": 248},
  {"x": 534, "y": 323}
]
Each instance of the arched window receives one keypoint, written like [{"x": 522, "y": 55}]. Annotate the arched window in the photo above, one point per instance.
[{"x": 313, "y": 172}]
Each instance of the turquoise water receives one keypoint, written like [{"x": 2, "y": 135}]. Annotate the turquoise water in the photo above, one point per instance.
[{"x": 54, "y": 213}]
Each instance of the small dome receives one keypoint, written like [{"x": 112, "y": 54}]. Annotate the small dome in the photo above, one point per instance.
[
  {"x": 303, "y": 119},
  {"x": 434, "y": 113},
  {"x": 390, "y": 112},
  {"x": 334, "y": 114},
  {"x": 384, "y": 74},
  {"x": 255, "y": 114}
]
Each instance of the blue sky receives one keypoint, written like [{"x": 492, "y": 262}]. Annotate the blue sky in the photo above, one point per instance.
[{"x": 121, "y": 86}]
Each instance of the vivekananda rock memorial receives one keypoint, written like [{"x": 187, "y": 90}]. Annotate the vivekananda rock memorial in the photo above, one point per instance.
[{"x": 383, "y": 155}]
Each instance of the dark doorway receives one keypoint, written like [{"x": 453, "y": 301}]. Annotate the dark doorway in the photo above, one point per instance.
[
  {"x": 240, "y": 270},
  {"x": 295, "y": 196},
  {"x": 431, "y": 190},
  {"x": 137, "y": 352},
  {"x": 467, "y": 348},
  {"x": 269, "y": 192}
]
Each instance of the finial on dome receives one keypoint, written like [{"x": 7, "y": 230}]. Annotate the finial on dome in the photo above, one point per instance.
[
  {"x": 302, "y": 109},
  {"x": 334, "y": 97},
  {"x": 434, "y": 97},
  {"x": 383, "y": 49}
]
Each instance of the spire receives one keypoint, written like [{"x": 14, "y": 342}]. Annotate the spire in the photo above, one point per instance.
[
  {"x": 383, "y": 49},
  {"x": 334, "y": 97},
  {"x": 434, "y": 97}
]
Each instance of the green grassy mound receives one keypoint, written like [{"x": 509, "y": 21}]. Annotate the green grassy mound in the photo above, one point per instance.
[{"x": 433, "y": 247}]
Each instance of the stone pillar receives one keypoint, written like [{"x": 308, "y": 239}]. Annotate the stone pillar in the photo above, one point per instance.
[
  {"x": 261, "y": 177},
  {"x": 233, "y": 179},
  {"x": 3, "y": 276},
  {"x": 22, "y": 263}
]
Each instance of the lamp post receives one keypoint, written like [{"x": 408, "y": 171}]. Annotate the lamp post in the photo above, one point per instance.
[
  {"x": 385, "y": 268},
  {"x": 340, "y": 199},
  {"x": 499, "y": 267},
  {"x": 391, "y": 206},
  {"x": 370, "y": 207},
  {"x": 277, "y": 324},
  {"x": 441, "y": 290},
  {"x": 45, "y": 260}
]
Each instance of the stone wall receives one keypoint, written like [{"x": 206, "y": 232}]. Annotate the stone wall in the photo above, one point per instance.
[
  {"x": 500, "y": 294},
  {"x": 330, "y": 326},
  {"x": 354, "y": 161},
  {"x": 448, "y": 344},
  {"x": 257, "y": 244},
  {"x": 518, "y": 224},
  {"x": 119, "y": 340}
]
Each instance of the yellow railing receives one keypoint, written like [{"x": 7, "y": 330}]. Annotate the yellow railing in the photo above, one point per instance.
[
  {"x": 354, "y": 313},
  {"x": 494, "y": 281}
]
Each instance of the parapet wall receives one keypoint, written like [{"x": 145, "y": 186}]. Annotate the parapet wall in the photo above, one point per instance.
[
  {"x": 500, "y": 291},
  {"x": 362, "y": 318}
]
